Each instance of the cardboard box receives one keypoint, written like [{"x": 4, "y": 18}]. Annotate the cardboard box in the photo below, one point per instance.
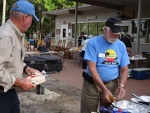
[{"x": 140, "y": 73}]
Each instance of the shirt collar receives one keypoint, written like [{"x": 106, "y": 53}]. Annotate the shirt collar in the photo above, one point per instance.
[{"x": 18, "y": 33}]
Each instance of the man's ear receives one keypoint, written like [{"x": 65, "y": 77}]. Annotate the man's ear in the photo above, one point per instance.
[
  {"x": 105, "y": 28},
  {"x": 24, "y": 17}
]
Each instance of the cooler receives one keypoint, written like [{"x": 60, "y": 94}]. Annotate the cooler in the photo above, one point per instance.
[
  {"x": 140, "y": 73},
  {"x": 53, "y": 63},
  {"x": 35, "y": 63},
  {"x": 47, "y": 63}
]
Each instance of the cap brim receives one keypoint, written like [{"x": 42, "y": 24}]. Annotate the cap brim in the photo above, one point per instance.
[
  {"x": 117, "y": 29},
  {"x": 35, "y": 17}
]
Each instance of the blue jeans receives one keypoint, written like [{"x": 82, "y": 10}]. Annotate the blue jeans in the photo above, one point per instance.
[{"x": 9, "y": 102}]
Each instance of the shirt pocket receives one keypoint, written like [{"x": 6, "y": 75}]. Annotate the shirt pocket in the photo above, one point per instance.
[{"x": 16, "y": 53}]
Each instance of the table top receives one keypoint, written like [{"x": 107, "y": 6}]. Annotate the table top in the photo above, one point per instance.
[
  {"x": 37, "y": 53},
  {"x": 75, "y": 49},
  {"x": 137, "y": 58}
]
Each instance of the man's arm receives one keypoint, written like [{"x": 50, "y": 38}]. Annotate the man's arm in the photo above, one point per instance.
[
  {"x": 123, "y": 75},
  {"x": 129, "y": 51},
  {"x": 98, "y": 80},
  {"x": 128, "y": 47},
  {"x": 122, "y": 81},
  {"x": 25, "y": 83}
]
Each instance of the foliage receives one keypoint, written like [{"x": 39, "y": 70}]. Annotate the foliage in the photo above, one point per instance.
[
  {"x": 63, "y": 4},
  {"x": 48, "y": 24},
  {"x": 41, "y": 5}
]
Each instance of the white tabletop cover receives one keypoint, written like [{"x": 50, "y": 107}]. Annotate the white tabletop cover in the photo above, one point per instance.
[
  {"x": 35, "y": 53},
  {"x": 141, "y": 69}
]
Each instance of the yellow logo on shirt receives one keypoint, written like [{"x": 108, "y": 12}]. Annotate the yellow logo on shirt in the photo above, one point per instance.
[{"x": 110, "y": 57}]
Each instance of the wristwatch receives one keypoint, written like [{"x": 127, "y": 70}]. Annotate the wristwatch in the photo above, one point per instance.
[{"x": 121, "y": 85}]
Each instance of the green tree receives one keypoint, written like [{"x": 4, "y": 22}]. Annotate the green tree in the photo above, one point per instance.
[{"x": 47, "y": 23}]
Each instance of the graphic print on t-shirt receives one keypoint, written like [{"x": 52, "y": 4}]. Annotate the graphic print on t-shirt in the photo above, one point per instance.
[{"x": 110, "y": 57}]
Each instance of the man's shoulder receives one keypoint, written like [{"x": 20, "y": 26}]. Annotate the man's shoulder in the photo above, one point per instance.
[
  {"x": 6, "y": 30},
  {"x": 48, "y": 36},
  {"x": 120, "y": 41},
  {"x": 95, "y": 40}
]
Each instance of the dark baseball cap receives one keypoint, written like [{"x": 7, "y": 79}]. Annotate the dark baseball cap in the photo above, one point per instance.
[
  {"x": 115, "y": 24},
  {"x": 25, "y": 7}
]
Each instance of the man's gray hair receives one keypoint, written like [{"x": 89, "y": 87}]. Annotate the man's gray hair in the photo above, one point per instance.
[{"x": 16, "y": 14}]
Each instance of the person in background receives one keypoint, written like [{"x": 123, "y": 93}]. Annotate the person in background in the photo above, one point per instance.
[
  {"x": 127, "y": 41},
  {"x": 35, "y": 43},
  {"x": 28, "y": 37},
  {"x": 81, "y": 39},
  {"x": 47, "y": 40},
  {"x": 107, "y": 68},
  {"x": 41, "y": 47},
  {"x": 12, "y": 56},
  {"x": 35, "y": 35},
  {"x": 83, "y": 48}
]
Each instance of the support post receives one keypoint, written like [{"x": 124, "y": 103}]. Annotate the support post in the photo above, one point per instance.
[
  {"x": 76, "y": 17},
  {"x": 4, "y": 11},
  {"x": 138, "y": 28}
]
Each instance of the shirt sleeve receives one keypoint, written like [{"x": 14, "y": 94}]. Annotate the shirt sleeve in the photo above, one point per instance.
[
  {"x": 90, "y": 53},
  {"x": 129, "y": 44},
  {"x": 84, "y": 43},
  {"x": 125, "y": 58},
  {"x": 6, "y": 79}
]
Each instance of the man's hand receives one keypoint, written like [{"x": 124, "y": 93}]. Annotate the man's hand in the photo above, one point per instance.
[
  {"x": 30, "y": 71},
  {"x": 39, "y": 79},
  {"x": 106, "y": 95},
  {"x": 120, "y": 91},
  {"x": 26, "y": 84}
]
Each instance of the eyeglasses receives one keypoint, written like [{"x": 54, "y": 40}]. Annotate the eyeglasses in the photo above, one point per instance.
[{"x": 32, "y": 17}]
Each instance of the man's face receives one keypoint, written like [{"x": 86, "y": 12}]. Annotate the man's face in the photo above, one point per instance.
[
  {"x": 82, "y": 34},
  {"x": 27, "y": 21},
  {"x": 110, "y": 36}
]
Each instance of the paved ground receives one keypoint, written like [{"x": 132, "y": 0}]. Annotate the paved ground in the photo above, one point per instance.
[
  {"x": 72, "y": 76},
  {"x": 61, "y": 98}
]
